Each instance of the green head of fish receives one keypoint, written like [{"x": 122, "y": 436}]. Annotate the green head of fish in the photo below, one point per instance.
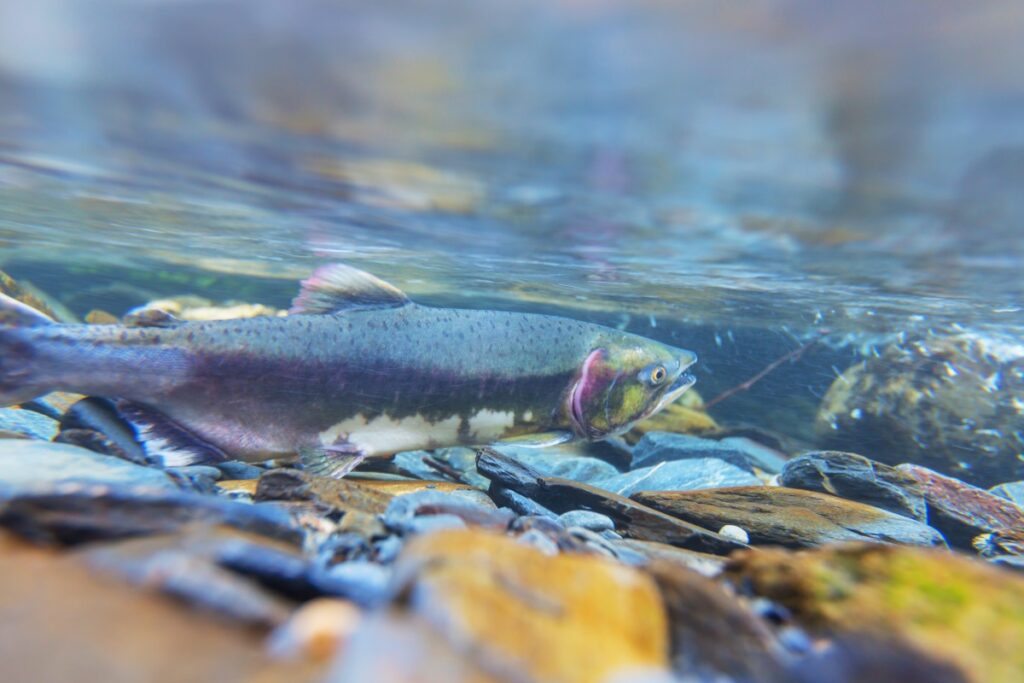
[{"x": 626, "y": 379}]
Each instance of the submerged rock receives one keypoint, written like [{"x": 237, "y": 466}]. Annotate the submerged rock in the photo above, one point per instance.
[
  {"x": 29, "y": 464},
  {"x": 961, "y": 511},
  {"x": 632, "y": 519},
  {"x": 492, "y": 604},
  {"x": 790, "y": 517},
  {"x": 946, "y": 402},
  {"x": 1012, "y": 491},
  {"x": 105, "y": 630},
  {"x": 70, "y": 513},
  {"x": 657, "y": 447},
  {"x": 685, "y": 416},
  {"x": 29, "y": 424},
  {"x": 679, "y": 475},
  {"x": 713, "y": 634},
  {"x": 855, "y": 477},
  {"x": 950, "y": 607}
]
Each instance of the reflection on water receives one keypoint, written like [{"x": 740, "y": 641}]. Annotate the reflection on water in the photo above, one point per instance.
[{"x": 783, "y": 166}]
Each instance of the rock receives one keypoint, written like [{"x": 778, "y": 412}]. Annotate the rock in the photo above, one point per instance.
[
  {"x": 685, "y": 416},
  {"x": 568, "y": 461},
  {"x": 404, "y": 511},
  {"x": 631, "y": 519},
  {"x": 364, "y": 583},
  {"x": 857, "y": 478},
  {"x": 658, "y": 447},
  {"x": 179, "y": 569},
  {"x": 246, "y": 486},
  {"x": 679, "y": 475},
  {"x": 713, "y": 634},
  {"x": 951, "y": 607},
  {"x": 193, "y": 471},
  {"x": 316, "y": 631},
  {"x": 790, "y": 517},
  {"x": 34, "y": 463},
  {"x": 702, "y": 563},
  {"x": 71, "y": 513},
  {"x": 520, "y": 503},
  {"x": 944, "y": 402},
  {"x": 1012, "y": 491},
  {"x": 860, "y": 659},
  {"x": 237, "y": 470},
  {"x": 27, "y": 423},
  {"x": 461, "y": 460},
  {"x": 338, "y": 494},
  {"x": 512, "y": 611},
  {"x": 961, "y": 511},
  {"x": 998, "y": 543},
  {"x": 587, "y": 520},
  {"x": 51, "y": 602}
]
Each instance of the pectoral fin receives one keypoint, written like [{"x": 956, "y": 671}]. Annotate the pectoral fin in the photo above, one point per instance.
[
  {"x": 540, "y": 440},
  {"x": 334, "y": 461}
]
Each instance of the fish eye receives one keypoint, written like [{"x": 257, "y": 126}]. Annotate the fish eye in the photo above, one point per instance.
[{"x": 658, "y": 374}]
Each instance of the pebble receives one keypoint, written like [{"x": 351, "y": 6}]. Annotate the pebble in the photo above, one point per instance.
[
  {"x": 586, "y": 519},
  {"x": 539, "y": 540},
  {"x": 680, "y": 475},
  {"x": 412, "y": 512},
  {"x": 520, "y": 503},
  {"x": 735, "y": 533},
  {"x": 195, "y": 471},
  {"x": 315, "y": 631}
]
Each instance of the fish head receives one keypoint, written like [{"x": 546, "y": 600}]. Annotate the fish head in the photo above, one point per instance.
[{"x": 623, "y": 380}]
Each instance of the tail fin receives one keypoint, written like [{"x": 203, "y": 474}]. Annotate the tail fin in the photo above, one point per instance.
[{"x": 17, "y": 382}]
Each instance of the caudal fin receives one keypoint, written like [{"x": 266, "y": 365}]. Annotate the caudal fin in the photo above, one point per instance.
[{"x": 18, "y": 379}]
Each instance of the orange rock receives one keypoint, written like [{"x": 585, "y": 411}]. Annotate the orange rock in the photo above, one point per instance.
[
  {"x": 518, "y": 614},
  {"x": 316, "y": 631}
]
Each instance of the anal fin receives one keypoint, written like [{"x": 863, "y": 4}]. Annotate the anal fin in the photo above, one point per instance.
[
  {"x": 539, "y": 440},
  {"x": 166, "y": 440},
  {"x": 333, "y": 461}
]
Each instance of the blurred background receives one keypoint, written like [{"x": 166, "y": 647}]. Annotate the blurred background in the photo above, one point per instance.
[{"x": 737, "y": 178}]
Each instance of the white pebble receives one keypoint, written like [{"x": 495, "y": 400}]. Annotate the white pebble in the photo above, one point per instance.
[{"x": 735, "y": 533}]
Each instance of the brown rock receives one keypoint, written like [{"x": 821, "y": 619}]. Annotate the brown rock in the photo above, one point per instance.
[
  {"x": 954, "y": 608},
  {"x": 789, "y": 517},
  {"x": 516, "y": 614},
  {"x": 685, "y": 416},
  {"x": 341, "y": 494},
  {"x": 961, "y": 511},
  {"x": 713, "y": 632},
  {"x": 316, "y": 631},
  {"x": 60, "y": 622}
]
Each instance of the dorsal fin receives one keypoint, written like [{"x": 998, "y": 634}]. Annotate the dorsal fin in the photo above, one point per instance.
[{"x": 338, "y": 287}]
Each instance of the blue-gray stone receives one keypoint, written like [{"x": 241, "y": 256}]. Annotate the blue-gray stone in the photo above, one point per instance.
[
  {"x": 194, "y": 471},
  {"x": 680, "y": 475},
  {"x": 1012, "y": 491},
  {"x": 594, "y": 521},
  {"x": 521, "y": 504},
  {"x": 386, "y": 550},
  {"x": 365, "y": 583},
  {"x": 31, "y": 463},
  {"x": 28, "y": 423},
  {"x": 236, "y": 469},
  {"x": 539, "y": 540},
  {"x": 656, "y": 447},
  {"x": 568, "y": 461}
]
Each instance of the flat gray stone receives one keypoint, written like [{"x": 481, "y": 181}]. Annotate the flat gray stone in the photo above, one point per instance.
[
  {"x": 656, "y": 447},
  {"x": 1012, "y": 491},
  {"x": 566, "y": 461},
  {"x": 28, "y": 423},
  {"x": 594, "y": 521},
  {"x": 679, "y": 475},
  {"x": 31, "y": 463}
]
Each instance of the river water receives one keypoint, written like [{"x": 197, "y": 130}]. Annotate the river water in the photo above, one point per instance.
[{"x": 737, "y": 178}]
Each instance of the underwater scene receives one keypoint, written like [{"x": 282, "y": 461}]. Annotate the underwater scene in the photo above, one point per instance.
[{"x": 511, "y": 342}]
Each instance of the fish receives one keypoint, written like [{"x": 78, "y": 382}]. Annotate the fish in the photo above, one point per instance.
[{"x": 355, "y": 370}]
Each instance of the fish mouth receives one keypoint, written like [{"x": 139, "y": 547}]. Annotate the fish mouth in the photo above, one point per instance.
[{"x": 684, "y": 381}]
